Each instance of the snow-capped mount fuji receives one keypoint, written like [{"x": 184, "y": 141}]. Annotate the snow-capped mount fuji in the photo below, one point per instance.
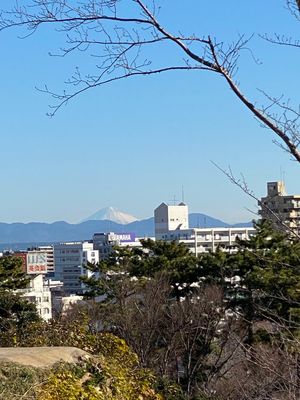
[{"x": 111, "y": 214}]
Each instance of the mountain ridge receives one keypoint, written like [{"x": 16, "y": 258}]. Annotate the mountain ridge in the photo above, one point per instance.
[{"x": 60, "y": 231}]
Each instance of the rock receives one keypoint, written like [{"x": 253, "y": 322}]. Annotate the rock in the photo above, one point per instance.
[{"x": 42, "y": 356}]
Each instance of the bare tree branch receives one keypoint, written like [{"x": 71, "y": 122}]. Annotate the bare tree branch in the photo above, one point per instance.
[
  {"x": 242, "y": 184},
  {"x": 121, "y": 41}
]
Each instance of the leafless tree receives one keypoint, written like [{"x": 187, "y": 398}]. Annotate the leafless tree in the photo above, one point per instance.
[
  {"x": 122, "y": 36},
  {"x": 190, "y": 341},
  {"x": 198, "y": 344},
  {"x": 267, "y": 369}
]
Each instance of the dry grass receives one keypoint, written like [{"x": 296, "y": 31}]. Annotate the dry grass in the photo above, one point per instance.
[{"x": 20, "y": 382}]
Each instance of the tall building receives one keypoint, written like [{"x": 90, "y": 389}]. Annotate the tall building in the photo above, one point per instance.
[
  {"x": 170, "y": 218},
  {"x": 282, "y": 209},
  {"x": 39, "y": 294},
  {"x": 48, "y": 250},
  {"x": 171, "y": 223},
  {"x": 50, "y": 258},
  {"x": 70, "y": 259},
  {"x": 34, "y": 264},
  {"x": 105, "y": 242}
]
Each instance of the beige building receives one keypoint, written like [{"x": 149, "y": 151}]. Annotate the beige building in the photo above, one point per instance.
[{"x": 282, "y": 209}]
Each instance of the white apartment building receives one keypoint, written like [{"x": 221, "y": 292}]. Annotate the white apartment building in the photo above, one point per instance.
[
  {"x": 35, "y": 266},
  {"x": 171, "y": 223},
  {"x": 70, "y": 259},
  {"x": 204, "y": 240},
  {"x": 39, "y": 294}
]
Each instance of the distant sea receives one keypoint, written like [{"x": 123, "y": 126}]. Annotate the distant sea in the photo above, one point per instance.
[{"x": 22, "y": 246}]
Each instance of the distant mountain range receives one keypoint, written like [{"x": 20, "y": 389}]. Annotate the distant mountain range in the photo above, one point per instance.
[{"x": 39, "y": 232}]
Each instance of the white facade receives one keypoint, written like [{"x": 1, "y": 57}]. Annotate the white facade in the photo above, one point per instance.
[
  {"x": 170, "y": 218},
  {"x": 70, "y": 259},
  {"x": 39, "y": 294},
  {"x": 171, "y": 223},
  {"x": 203, "y": 240}
]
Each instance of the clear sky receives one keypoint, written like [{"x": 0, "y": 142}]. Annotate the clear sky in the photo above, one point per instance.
[{"x": 135, "y": 143}]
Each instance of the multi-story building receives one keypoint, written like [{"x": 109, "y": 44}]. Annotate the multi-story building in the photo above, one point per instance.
[
  {"x": 170, "y": 218},
  {"x": 282, "y": 209},
  {"x": 34, "y": 264},
  {"x": 104, "y": 242},
  {"x": 70, "y": 259},
  {"x": 50, "y": 258},
  {"x": 39, "y": 294},
  {"x": 171, "y": 223},
  {"x": 56, "y": 290},
  {"x": 48, "y": 251},
  {"x": 204, "y": 240}
]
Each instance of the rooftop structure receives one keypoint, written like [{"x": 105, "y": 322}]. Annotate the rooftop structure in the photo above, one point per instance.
[{"x": 170, "y": 218}]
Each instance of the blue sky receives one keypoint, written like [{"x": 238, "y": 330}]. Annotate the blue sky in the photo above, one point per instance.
[{"x": 135, "y": 143}]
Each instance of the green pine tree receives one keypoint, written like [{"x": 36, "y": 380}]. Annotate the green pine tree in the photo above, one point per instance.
[{"x": 16, "y": 313}]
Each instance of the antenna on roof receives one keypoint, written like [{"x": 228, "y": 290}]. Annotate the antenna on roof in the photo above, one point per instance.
[
  {"x": 282, "y": 175},
  {"x": 174, "y": 200},
  {"x": 182, "y": 194}
]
